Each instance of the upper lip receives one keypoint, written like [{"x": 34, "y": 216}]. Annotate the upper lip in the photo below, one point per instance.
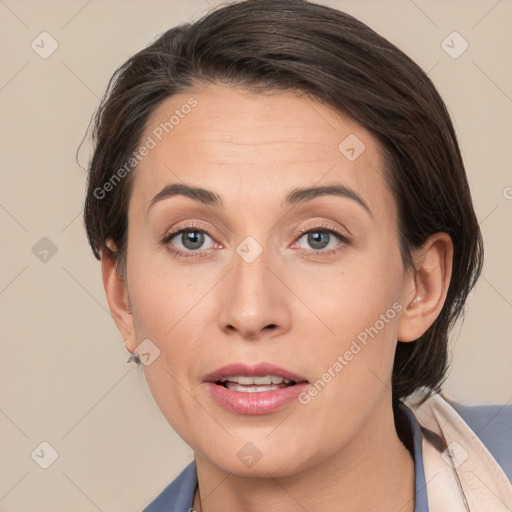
[{"x": 252, "y": 370}]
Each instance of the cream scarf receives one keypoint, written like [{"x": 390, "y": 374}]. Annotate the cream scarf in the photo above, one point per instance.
[{"x": 460, "y": 473}]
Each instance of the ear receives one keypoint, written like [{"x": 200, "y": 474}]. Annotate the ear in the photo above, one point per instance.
[
  {"x": 117, "y": 297},
  {"x": 426, "y": 286}
]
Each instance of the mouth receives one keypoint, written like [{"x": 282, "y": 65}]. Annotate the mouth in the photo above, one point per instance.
[
  {"x": 249, "y": 378},
  {"x": 258, "y": 389}
]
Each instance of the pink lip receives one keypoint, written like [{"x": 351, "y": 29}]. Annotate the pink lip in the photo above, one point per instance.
[{"x": 264, "y": 402}]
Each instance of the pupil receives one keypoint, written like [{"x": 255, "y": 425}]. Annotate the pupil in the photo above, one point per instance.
[
  {"x": 192, "y": 239},
  {"x": 315, "y": 239}
]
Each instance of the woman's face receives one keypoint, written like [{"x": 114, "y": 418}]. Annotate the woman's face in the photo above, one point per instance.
[{"x": 267, "y": 272}]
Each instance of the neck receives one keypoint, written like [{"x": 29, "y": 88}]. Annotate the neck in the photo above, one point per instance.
[{"x": 373, "y": 472}]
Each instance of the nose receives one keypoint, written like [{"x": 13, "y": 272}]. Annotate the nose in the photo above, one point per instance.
[{"x": 254, "y": 299}]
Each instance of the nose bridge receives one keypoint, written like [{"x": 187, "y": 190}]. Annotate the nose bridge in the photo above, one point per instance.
[
  {"x": 255, "y": 298},
  {"x": 251, "y": 268}
]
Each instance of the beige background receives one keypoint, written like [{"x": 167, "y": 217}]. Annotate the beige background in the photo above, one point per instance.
[{"x": 63, "y": 375}]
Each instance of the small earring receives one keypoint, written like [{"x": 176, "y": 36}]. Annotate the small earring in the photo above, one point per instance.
[{"x": 134, "y": 358}]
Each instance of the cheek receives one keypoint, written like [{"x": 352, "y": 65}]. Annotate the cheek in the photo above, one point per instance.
[
  {"x": 169, "y": 307},
  {"x": 352, "y": 366},
  {"x": 359, "y": 309},
  {"x": 165, "y": 314},
  {"x": 347, "y": 297},
  {"x": 162, "y": 294}
]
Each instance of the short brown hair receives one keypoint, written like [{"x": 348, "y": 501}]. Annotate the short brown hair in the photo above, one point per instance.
[{"x": 293, "y": 44}]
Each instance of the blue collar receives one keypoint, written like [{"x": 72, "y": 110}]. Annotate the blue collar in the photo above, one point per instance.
[{"x": 420, "y": 486}]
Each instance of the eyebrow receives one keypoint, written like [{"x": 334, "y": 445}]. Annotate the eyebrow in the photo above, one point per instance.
[
  {"x": 202, "y": 195},
  {"x": 296, "y": 196},
  {"x": 301, "y": 195}
]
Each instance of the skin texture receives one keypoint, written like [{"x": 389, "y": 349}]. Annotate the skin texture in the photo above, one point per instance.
[{"x": 290, "y": 306}]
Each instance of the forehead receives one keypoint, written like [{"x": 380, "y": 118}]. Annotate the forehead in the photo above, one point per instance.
[
  {"x": 233, "y": 141},
  {"x": 241, "y": 119}
]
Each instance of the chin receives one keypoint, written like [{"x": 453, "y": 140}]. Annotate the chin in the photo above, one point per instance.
[{"x": 259, "y": 458}]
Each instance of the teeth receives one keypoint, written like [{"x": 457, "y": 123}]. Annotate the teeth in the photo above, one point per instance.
[
  {"x": 250, "y": 381},
  {"x": 252, "y": 389}
]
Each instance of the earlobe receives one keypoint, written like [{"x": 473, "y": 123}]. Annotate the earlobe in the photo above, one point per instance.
[
  {"x": 426, "y": 287},
  {"x": 118, "y": 301}
]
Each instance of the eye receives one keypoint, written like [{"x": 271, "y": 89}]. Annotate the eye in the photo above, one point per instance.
[
  {"x": 322, "y": 239},
  {"x": 190, "y": 239}
]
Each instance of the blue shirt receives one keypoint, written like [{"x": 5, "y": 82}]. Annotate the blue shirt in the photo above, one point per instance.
[{"x": 491, "y": 423}]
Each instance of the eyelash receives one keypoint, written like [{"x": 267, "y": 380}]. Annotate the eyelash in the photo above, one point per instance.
[{"x": 200, "y": 254}]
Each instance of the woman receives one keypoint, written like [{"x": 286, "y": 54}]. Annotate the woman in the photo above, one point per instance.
[{"x": 286, "y": 236}]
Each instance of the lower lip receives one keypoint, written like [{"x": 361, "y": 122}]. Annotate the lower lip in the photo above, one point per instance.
[{"x": 264, "y": 402}]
